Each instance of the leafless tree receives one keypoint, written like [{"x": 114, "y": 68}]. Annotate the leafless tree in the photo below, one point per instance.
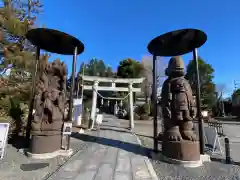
[
  {"x": 147, "y": 62},
  {"x": 221, "y": 89}
]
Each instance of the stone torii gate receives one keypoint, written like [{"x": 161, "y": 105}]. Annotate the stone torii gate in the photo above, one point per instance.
[{"x": 95, "y": 88}]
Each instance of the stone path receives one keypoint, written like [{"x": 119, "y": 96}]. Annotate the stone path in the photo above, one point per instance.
[
  {"x": 114, "y": 154},
  {"x": 17, "y": 166}
]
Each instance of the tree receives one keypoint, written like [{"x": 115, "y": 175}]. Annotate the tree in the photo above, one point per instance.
[
  {"x": 220, "y": 104},
  {"x": 207, "y": 86},
  {"x": 236, "y": 92},
  {"x": 129, "y": 68},
  {"x": 16, "y": 18},
  {"x": 94, "y": 67}
]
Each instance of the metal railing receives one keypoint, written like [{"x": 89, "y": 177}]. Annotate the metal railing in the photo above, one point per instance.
[{"x": 218, "y": 126}]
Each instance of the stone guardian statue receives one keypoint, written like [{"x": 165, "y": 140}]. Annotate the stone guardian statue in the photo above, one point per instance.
[
  {"x": 50, "y": 100},
  {"x": 178, "y": 108}
]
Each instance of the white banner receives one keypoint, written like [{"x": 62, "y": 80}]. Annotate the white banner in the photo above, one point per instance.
[
  {"x": 4, "y": 127},
  {"x": 77, "y": 111}
]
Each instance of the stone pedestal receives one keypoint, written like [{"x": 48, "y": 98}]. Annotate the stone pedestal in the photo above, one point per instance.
[
  {"x": 185, "y": 151},
  {"x": 47, "y": 147},
  {"x": 41, "y": 144}
]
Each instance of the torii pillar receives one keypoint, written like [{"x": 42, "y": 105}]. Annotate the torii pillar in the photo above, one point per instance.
[
  {"x": 94, "y": 102},
  {"x": 131, "y": 117}
]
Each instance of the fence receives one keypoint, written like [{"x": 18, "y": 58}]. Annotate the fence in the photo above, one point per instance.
[{"x": 218, "y": 126}]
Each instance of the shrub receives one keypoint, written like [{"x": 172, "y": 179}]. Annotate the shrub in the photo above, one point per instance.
[
  {"x": 145, "y": 109},
  {"x": 137, "y": 110},
  {"x": 136, "y": 116},
  {"x": 17, "y": 115},
  {"x": 126, "y": 104},
  {"x": 144, "y": 117},
  {"x": 85, "y": 118},
  {"x": 87, "y": 104}
]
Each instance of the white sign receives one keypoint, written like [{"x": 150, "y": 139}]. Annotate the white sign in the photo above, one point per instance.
[
  {"x": 213, "y": 140},
  {"x": 67, "y": 128},
  {"x": 99, "y": 119},
  {"x": 77, "y": 102},
  {"x": 4, "y": 127},
  {"x": 204, "y": 113}
]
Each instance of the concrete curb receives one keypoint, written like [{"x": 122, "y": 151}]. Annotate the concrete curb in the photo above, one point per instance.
[
  {"x": 54, "y": 154},
  {"x": 147, "y": 162}
]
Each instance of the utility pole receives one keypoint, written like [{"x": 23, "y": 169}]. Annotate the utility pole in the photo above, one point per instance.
[
  {"x": 78, "y": 78},
  {"x": 82, "y": 84},
  {"x": 235, "y": 85},
  {"x": 78, "y": 84}
]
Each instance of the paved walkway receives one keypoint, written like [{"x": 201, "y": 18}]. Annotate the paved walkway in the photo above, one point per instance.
[{"x": 114, "y": 154}]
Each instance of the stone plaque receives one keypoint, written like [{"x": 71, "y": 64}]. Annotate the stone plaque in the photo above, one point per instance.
[{"x": 67, "y": 128}]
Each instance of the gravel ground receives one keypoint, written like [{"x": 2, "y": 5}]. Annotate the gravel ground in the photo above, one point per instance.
[
  {"x": 15, "y": 165},
  {"x": 210, "y": 170}
]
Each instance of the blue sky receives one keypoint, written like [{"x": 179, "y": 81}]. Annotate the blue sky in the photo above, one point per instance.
[{"x": 113, "y": 30}]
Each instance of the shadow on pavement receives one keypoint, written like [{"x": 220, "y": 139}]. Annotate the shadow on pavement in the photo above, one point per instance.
[
  {"x": 124, "y": 131},
  {"x": 116, "y": 130},
  {"x": 33, "y": 166},
  {"x": 130, "y": 147},
  {"x": 19, "y": 142},
  {"x": 105, "y": 125},
  {"x": 150, "y": 137},
  {"x": 229, "y": 120},
  {"x": 223, "y": 161}
]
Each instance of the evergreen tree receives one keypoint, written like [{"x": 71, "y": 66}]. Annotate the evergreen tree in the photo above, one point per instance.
[
  {"x": 16, "y": 18},
  {"x": 207, "y": 86}
]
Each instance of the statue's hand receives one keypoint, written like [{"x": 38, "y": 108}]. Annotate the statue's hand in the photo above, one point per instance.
[
  {"x": 48, "y": 104},
  {"x": 193, "y": 113}
]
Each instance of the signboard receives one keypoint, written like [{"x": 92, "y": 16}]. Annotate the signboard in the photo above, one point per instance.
[
  {"x": 67, "y": 128},
  {"x": 4, "y": 127},
  {"x": 99, "y": 119},
  {"x": 211, "y": 139}
]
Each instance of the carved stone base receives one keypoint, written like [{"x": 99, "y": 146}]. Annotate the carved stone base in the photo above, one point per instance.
[
  {"x": 51, "y": 155},
  {"x": 45, "y": 144},
  {"x": 181, "y": 150},
  {"x": 190, "y": 164}
]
